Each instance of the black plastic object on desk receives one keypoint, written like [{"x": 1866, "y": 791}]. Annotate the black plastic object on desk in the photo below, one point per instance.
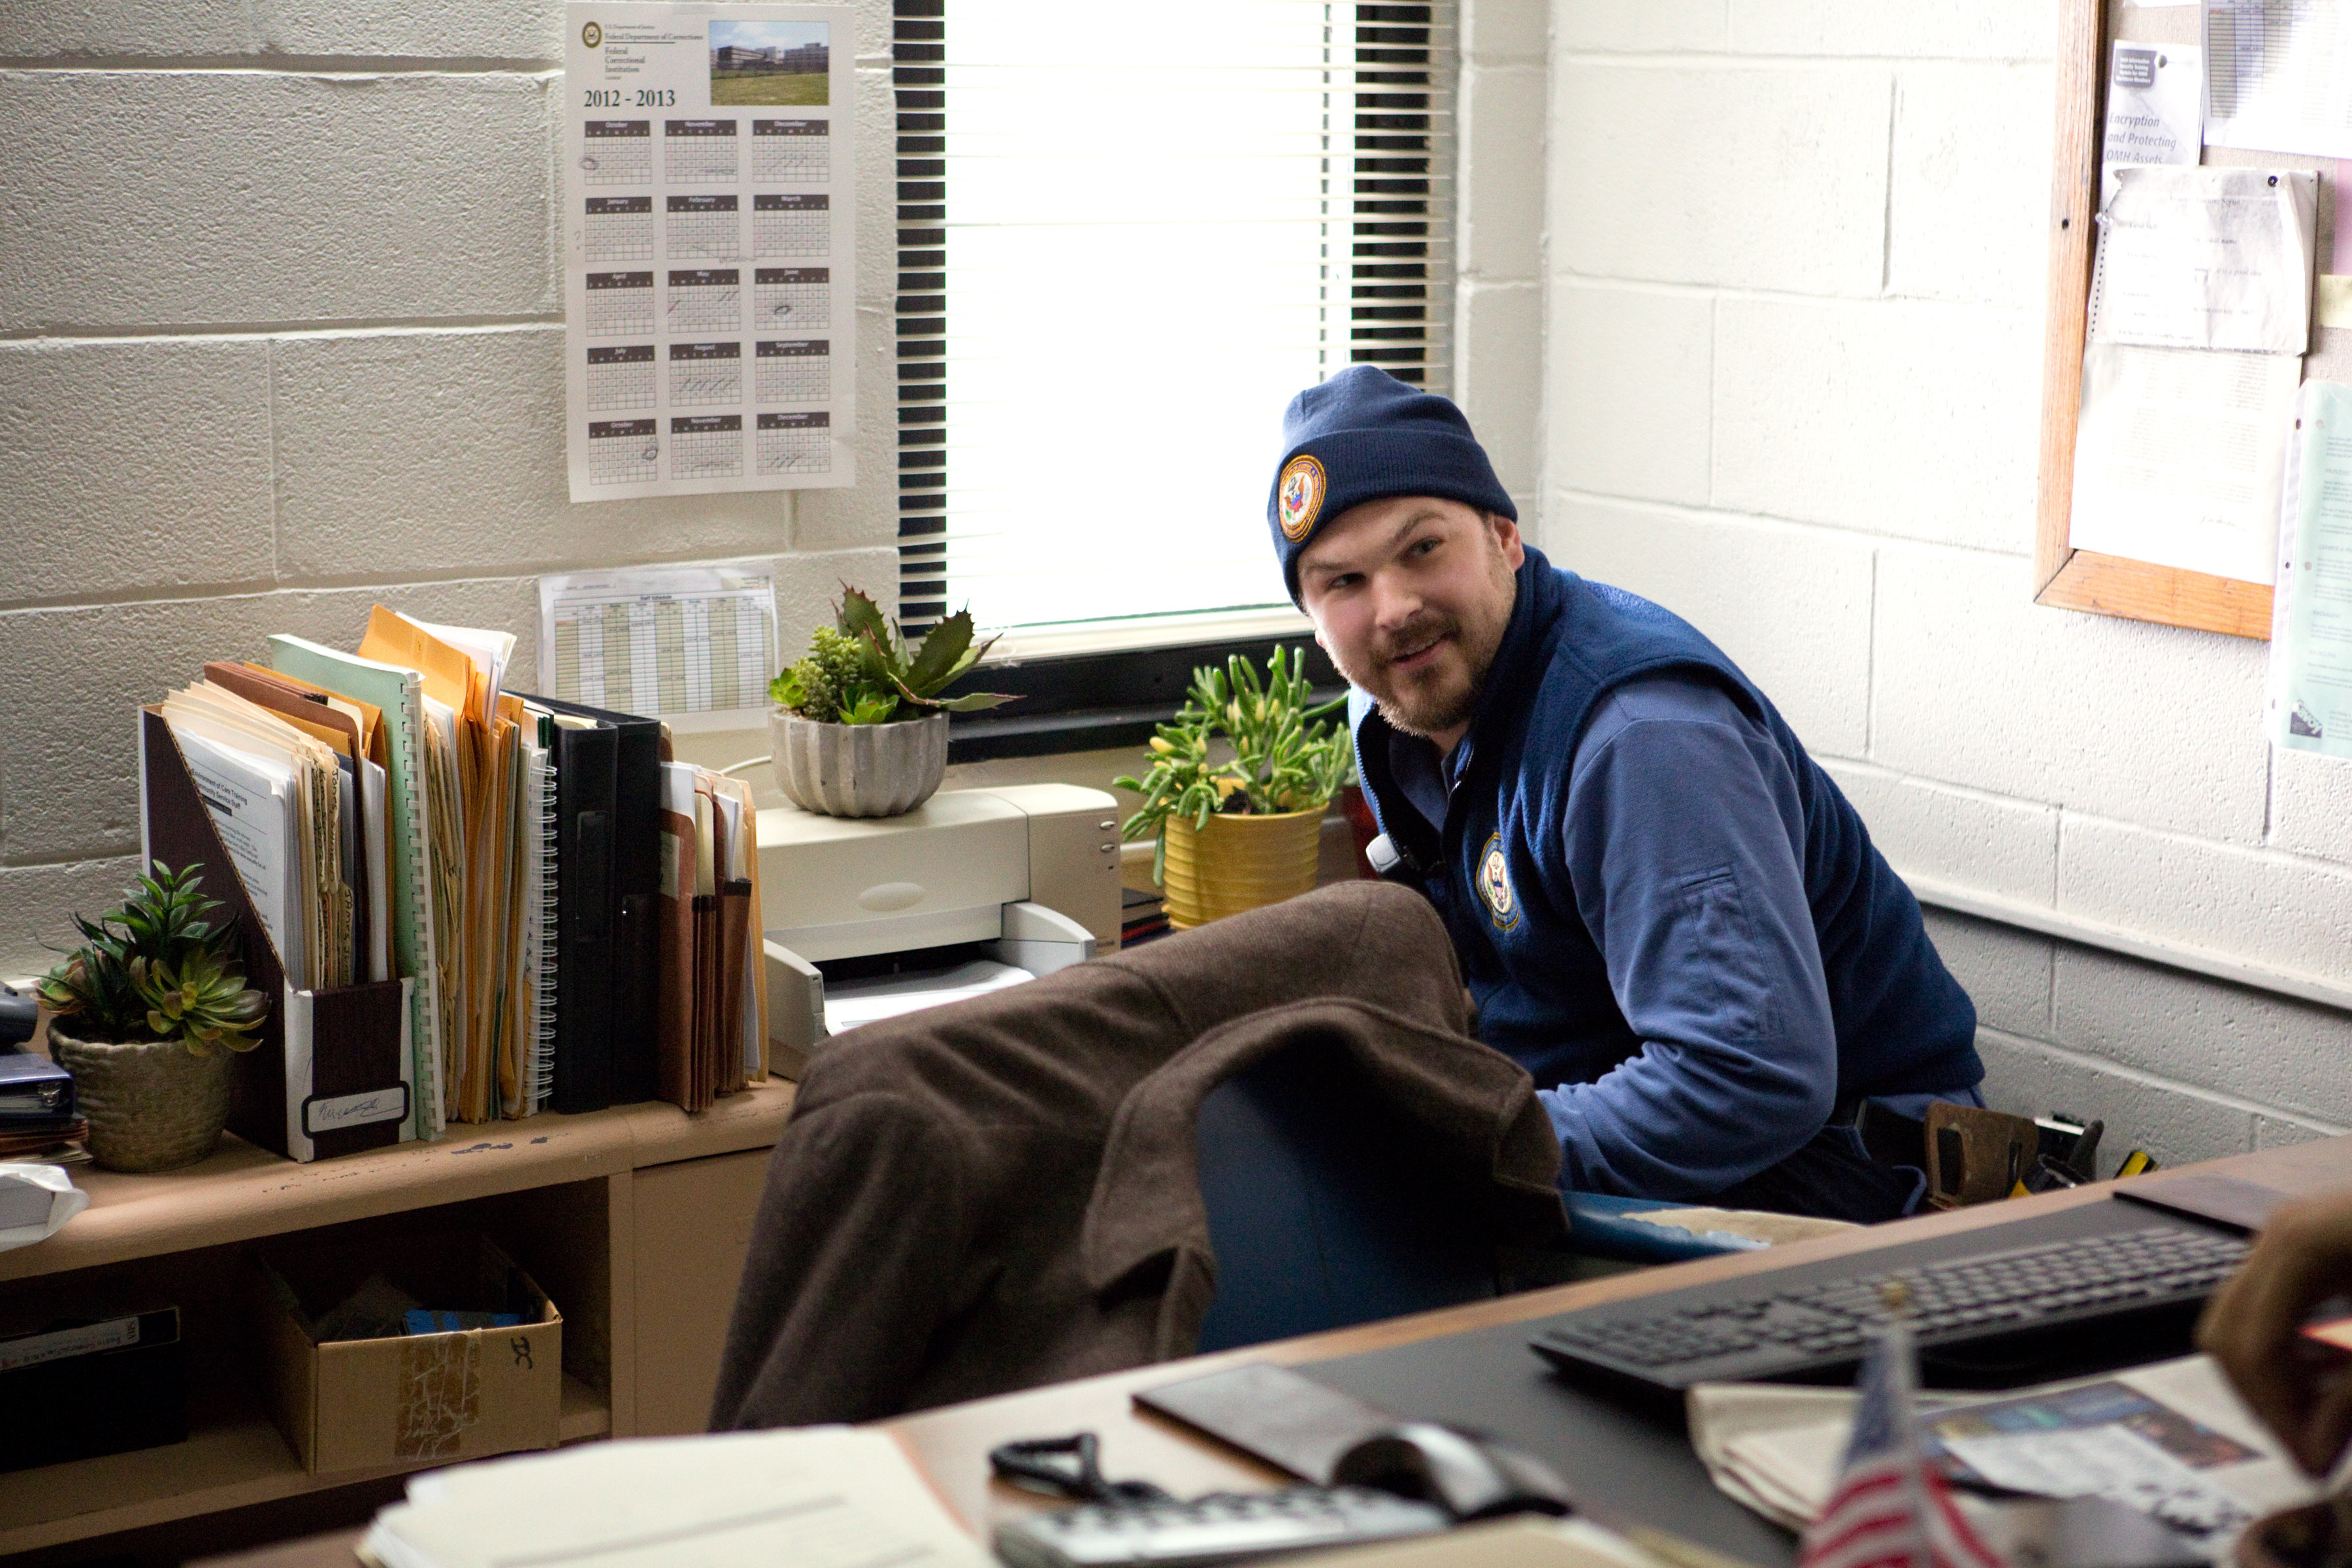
[{"x": 19, "y": 1015}]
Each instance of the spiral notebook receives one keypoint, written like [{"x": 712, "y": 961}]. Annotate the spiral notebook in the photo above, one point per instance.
[{"x": 542, "y": 916}]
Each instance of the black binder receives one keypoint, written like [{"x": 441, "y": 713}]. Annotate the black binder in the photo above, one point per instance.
[
  {"x": 635, "y": 941},
  {"x": 587, "y": 907}
]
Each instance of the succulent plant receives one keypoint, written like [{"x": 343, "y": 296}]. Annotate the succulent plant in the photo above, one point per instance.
[
  {"x": 1284, "y": 760},
  {"x": 859, "y": 671},
  {"x": 158, "y": 969},
  {"x": 205, "y": 1002}
]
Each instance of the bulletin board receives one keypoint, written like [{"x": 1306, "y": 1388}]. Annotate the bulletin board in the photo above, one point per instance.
[{"x": 2103, "y": 582}]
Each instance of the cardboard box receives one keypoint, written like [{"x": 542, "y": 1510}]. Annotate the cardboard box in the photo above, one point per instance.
[{"x": 407, "y": 1399}]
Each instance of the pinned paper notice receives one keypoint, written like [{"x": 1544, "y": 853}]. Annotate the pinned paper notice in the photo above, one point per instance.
[
  {"x": 694, "y": 644},
  {"x": 2156, "y": 97},
  {"x": 2309, "y": 706},
  {"x": 2177, "y": 457},
  {"x": 2332, "y": 303},
  {"x": 2275, "y": 76},
  {"x": 2207, "y": 259}
]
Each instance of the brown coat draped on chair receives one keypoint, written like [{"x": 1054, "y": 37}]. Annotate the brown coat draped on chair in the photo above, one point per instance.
[{"x": 1002, "y": 1193}]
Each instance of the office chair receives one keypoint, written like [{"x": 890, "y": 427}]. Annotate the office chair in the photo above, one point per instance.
[
  {"x": 1320, "y": 1212},
  {"x": 1321, "y": 1218}
]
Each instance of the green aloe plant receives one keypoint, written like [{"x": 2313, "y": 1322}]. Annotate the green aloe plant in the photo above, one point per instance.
[
  {"x": 859, "y": 670},
  {"x": 1286, "y": 758},
  {"x": 158, "y": 969}
]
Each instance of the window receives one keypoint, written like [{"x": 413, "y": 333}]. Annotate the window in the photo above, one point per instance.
[{"x": 1127, "y": 235}]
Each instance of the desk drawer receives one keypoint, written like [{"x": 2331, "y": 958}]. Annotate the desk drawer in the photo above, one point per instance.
[{"x": 693, "y": 1228}]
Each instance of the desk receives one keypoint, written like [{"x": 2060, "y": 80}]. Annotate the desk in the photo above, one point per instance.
[
  {"x": 952, "y": 1443},
  {"x": 636, "y": 1214}
]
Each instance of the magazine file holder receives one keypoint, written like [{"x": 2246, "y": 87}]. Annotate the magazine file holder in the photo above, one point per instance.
[{"x": 351, "y": 1041}]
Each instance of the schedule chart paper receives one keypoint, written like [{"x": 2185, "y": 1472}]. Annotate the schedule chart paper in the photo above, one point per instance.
[
  {"x": 694, "y": 645},
  {"x": 710, "y": 248}
]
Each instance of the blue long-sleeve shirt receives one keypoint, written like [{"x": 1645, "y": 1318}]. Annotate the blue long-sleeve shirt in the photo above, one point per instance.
[{"x": 1666, "y": 912}]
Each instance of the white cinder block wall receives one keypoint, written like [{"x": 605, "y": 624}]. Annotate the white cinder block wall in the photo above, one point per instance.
[
  {"x": 1794, "y": 253},
  {"x": 1499, "y": 285},
  {"x": 280, "y": 337}
]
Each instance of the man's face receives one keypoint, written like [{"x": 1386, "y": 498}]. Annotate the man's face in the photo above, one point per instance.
[{"x": 1410, "y": 595}]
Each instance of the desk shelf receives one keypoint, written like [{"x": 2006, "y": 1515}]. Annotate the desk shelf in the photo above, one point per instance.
[
  {"x": 234, "y": 1456},
  {"x": 242, "y": 1193},
  {"x": 580, "y": 1199}
]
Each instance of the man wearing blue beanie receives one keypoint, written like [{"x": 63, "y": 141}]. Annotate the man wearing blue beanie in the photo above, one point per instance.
[{"x": 1665, "y": 910}]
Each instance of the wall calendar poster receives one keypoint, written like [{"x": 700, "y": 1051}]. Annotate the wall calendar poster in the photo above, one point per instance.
[{"x": 710, "y": 249}]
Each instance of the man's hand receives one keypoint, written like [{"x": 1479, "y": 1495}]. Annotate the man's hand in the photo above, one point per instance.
[{"x": 2302, "y": 1389}]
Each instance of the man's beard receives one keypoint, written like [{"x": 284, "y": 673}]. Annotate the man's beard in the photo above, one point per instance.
[
  {"x": 1426, "y": 711},
  {"x": 1414, "y": 708}
]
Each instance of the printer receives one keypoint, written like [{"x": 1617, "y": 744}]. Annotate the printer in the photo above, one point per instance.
[{"x": 867, "y": 917}]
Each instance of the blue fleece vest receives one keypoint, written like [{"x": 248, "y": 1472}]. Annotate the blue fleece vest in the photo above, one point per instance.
[{"x": 1903, "y": 1025}]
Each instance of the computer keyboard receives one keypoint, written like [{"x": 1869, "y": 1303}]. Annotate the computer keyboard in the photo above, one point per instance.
[
  {"x": 1210, "y": 1531},
  {"x": 1772, "y": 1331}
]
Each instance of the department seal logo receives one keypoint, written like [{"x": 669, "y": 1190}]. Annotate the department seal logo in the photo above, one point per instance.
[
  {"x": 592, "y": 35},
  {"x": 1299, "y": 498},
  {"x": 1494, "y": 885}
]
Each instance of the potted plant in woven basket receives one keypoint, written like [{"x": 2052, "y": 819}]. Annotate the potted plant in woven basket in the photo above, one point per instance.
[
  {"x": 859, "y": 727},
  {"x": 145, "y": 1013},
  {"x": 1237, "y": 834}
]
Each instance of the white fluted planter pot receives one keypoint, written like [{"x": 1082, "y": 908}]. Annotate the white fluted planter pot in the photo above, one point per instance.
[{"x": 857, "y": 770}]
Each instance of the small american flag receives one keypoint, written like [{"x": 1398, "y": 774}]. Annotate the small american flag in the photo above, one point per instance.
[{"x": 1891, "y": 1509}]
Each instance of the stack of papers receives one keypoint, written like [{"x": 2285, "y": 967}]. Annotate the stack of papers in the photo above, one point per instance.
[
  {"x": 817, "y": 1497},
  {"x": 713, "y": 1013},
  {"x": 2199, "y": 310},
  {"x": 298, "y": 804},
  {"x": 485, "y": 812},
  {"x": 2172, "y": 1440}
]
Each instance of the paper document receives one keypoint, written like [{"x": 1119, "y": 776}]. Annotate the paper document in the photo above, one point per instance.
[
  {"x": 710, "y": 248},
  {"x": 695, "y": 645},
  {"x": 817, "y": 1497},
  {"x": 2179, "y": 455},
  {"x": 850, "y": 1003},
  {"x": 2279, "y": 76},
  {"x": 2156, "y": 100},
  {"x": 2112, "y": 1462},
  {"x": 251, "y": 799},
  {"x": 2309, "y": 702},
  {"x": 2207, "y": 259}
]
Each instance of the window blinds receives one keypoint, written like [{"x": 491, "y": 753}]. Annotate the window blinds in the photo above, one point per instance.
[{"x": 1127, "y": 235}]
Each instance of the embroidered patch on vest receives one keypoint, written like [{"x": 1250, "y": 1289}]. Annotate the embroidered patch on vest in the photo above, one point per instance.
[
  {"x": 1299, "y": 498},
  {"x": 1494, "y": 885}
]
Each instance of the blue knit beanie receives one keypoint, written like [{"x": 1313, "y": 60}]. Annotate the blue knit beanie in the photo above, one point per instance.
[{"x": 1364, "y": 435}]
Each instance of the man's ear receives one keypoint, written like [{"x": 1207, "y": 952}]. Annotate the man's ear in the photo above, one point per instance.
[{"x": 1507, "y": 539}]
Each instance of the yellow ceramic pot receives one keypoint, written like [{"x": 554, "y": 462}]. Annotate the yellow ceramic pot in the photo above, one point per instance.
[{"x": 1239, "y": 863}]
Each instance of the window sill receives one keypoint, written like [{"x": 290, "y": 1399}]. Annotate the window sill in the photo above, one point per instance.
[
  {"x": 1140, "y": 633},
  {"x": 1080, "y": 691}
]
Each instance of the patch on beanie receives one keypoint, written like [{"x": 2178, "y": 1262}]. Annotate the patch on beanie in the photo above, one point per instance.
[{"x": 1300, "y": 497}]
